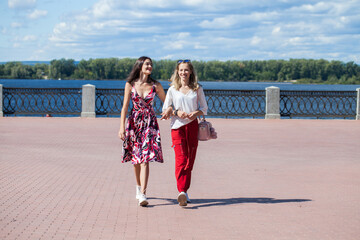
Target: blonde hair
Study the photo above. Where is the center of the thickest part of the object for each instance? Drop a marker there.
(193, 80)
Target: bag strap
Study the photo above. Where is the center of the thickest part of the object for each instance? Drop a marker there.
(203, 117)
(197, 98)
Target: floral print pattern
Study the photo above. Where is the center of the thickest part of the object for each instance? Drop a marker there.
(142, 138)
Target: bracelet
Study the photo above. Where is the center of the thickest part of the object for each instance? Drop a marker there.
(175, 112)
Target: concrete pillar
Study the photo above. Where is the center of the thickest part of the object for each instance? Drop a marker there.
(1, 101)
(358, 104)
(88, 101)
(272, 103)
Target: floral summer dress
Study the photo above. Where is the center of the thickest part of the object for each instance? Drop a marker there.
(142, 136)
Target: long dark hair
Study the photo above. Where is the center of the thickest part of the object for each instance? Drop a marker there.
(135, 72)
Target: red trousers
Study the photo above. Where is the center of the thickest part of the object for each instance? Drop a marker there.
(185, 143)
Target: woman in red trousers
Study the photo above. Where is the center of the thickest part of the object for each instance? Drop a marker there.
(187, 99)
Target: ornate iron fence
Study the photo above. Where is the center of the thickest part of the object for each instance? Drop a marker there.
(245, 103)
(109, 102)
(41, 101)
(220, 102)
(223, 103)
(319, 104)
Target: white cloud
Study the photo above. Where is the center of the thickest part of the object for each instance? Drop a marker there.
(152, 3)
(344, 19)
(200, 4)
(103, 8)
(295, 40)
(197, 29)
(255, 40)
(236, 20)
(170, 56)
(263, 16)
(177, 45)
(26, 38)
(276, 30)
(21, 4)
(183, 35)
(316, 8)
(200, 46)
(216, 5)
(221, 22)
(327, 40)
(29, 38)
(37, 14)
(301, 28)
(179, 41)
(16, 25)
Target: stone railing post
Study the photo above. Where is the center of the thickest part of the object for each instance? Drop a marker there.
(358, 104)
(88, 101)
(1, 101)
(272, 103)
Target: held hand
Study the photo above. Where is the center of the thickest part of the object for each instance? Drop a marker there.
(192, 115)
(122, 134)
(182, 114)
(166, 114)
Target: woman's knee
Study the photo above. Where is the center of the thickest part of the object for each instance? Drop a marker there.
(144, 165)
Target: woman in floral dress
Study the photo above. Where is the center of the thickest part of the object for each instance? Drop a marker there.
(141, 134)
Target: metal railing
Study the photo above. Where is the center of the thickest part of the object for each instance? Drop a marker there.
(41, 101)
(109, 102)
(318, 104)
(221, 103)
(240, 103)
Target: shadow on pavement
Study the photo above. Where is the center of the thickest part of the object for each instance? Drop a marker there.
(199, 203)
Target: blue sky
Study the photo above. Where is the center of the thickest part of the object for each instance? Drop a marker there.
(42, 30)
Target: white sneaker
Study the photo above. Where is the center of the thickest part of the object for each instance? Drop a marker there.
(138, 191)
(142, 200)
(187, 198)
(182, 199)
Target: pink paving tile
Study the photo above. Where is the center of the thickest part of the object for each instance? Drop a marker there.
(62, 178)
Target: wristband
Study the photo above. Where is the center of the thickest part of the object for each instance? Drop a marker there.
(176, 111)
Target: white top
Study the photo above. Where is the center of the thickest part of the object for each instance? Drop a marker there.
(190, 102)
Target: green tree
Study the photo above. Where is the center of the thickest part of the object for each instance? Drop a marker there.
(8, 68)
(63, 68)
(163, 69)
(304, 70)
(2, 70)
(40, 70)
(123, 68)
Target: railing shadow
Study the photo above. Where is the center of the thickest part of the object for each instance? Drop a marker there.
(201, 203)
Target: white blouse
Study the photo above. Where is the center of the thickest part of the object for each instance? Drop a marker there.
(190, 102)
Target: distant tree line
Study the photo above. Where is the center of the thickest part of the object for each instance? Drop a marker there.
(303, 70)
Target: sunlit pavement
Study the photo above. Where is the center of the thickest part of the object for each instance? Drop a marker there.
(62, 178)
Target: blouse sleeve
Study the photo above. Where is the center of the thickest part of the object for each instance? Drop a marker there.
(202, 101)
(168, 100)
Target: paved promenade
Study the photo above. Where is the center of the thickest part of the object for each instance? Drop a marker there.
(62, 178)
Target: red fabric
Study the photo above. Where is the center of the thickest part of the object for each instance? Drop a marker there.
(185, 142)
